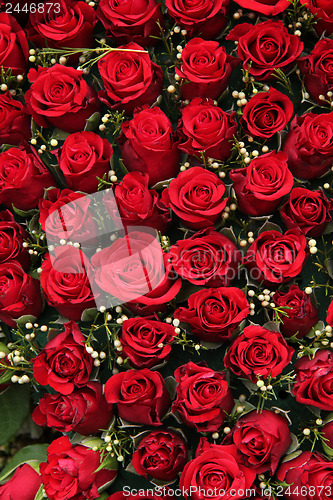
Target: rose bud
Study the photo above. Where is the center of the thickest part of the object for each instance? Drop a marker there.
(24, 484)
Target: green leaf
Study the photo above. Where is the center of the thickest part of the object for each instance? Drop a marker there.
(59, 135)
(89, 314)
(27, 318)
(34, 453)
(5, 377)
(92, 122)
(14, 407)
(25, 213)
(109, 462)
(39, 494)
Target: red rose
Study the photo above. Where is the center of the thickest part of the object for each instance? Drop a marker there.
(140, 395)
(317, 69)
(266, 7)
(23, 178)
(327, 435)
(14, 121)
(206, 127)
(131, 21)
(148, 145)
(258, 353)
(323, 12)
(314, 380)
(329, 319)
(214, 314)
(308, 210)
(85, 410)
(203, 398)
(146, 342)
(70, 471)
(83, 157)
(161, 455)
(276, 258)
(60, 97)
(195, 196)
(300, 315)
(261, 186)
(14, 50)
(12, 236)
(261, 440)
(216, 473)
(24, 484)
(265, 46)
(130, 494)
(20, 294)
(206, 69)
(130, 79)
(309, 145)
(266, 113)
(199, 17)
(64, 363)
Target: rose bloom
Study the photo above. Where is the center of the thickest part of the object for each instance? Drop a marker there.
(149, 145)
(12, 237)
(140, 395)
(329, 319)
(130, 79)
(308, 210)
(300, 314)
(161, 454)
(258, 353)
(14, 121)
(323, 10)
(265, 46)
(206, 69)
(206, 127)
(14, 50)
(327, 435)
(314, 380)
(203, 398)
(146, 342)
(276, 258)
(83, 157)
(196, 197)
(266, 113)
(24, 484)
(317, 69)
(261, 185)
(60, 97)
(214, 314)
(309, 145)
(64, 362)
(266, 7)
(141, 495)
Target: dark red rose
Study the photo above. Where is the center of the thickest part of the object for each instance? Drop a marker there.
(60, 97)
(203, 398)
(261, 186)
(308, 210)
(140, 395)
(327, 435)
(24, 484)
(216, 473)
(266, 113)
(130, 79)
(12, 237)
(149, 145)
(199, 17)
(206, 127)
(276, 258)
(161, 455)
(300, 314)
(317, 69)
(323, 12)
(146, 342)
(131, 21)
(266, 7)
(314, 380)
(265, 46)
(14, 121)
(309, 145)
(83, 157)
(258, 353)
(64, 363)
(85, 410)
(196, 197)
(23, 178)
(329, 319)
(20, 294)
(261, 440)
(14, 50)
(70, 471)
(214, 314)
(206, 69)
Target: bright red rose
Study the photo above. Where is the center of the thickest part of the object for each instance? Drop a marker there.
(85, 410)
(161, 455)
(317, 69)
(261, 186)
(203, 398)
(206, 69)
(14, 121)
(140, 395)
(12, 236)
(323, 12)
(266, 7)
(83, 157)
(149, 145)
(196, 197)
(258, 353)
(64, 362)
(24, 484)
(265, 46)
(60, 97)
(14, 50)
(214, 314)
(130, 79)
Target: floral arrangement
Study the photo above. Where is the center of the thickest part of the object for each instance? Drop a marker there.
(166, 268)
